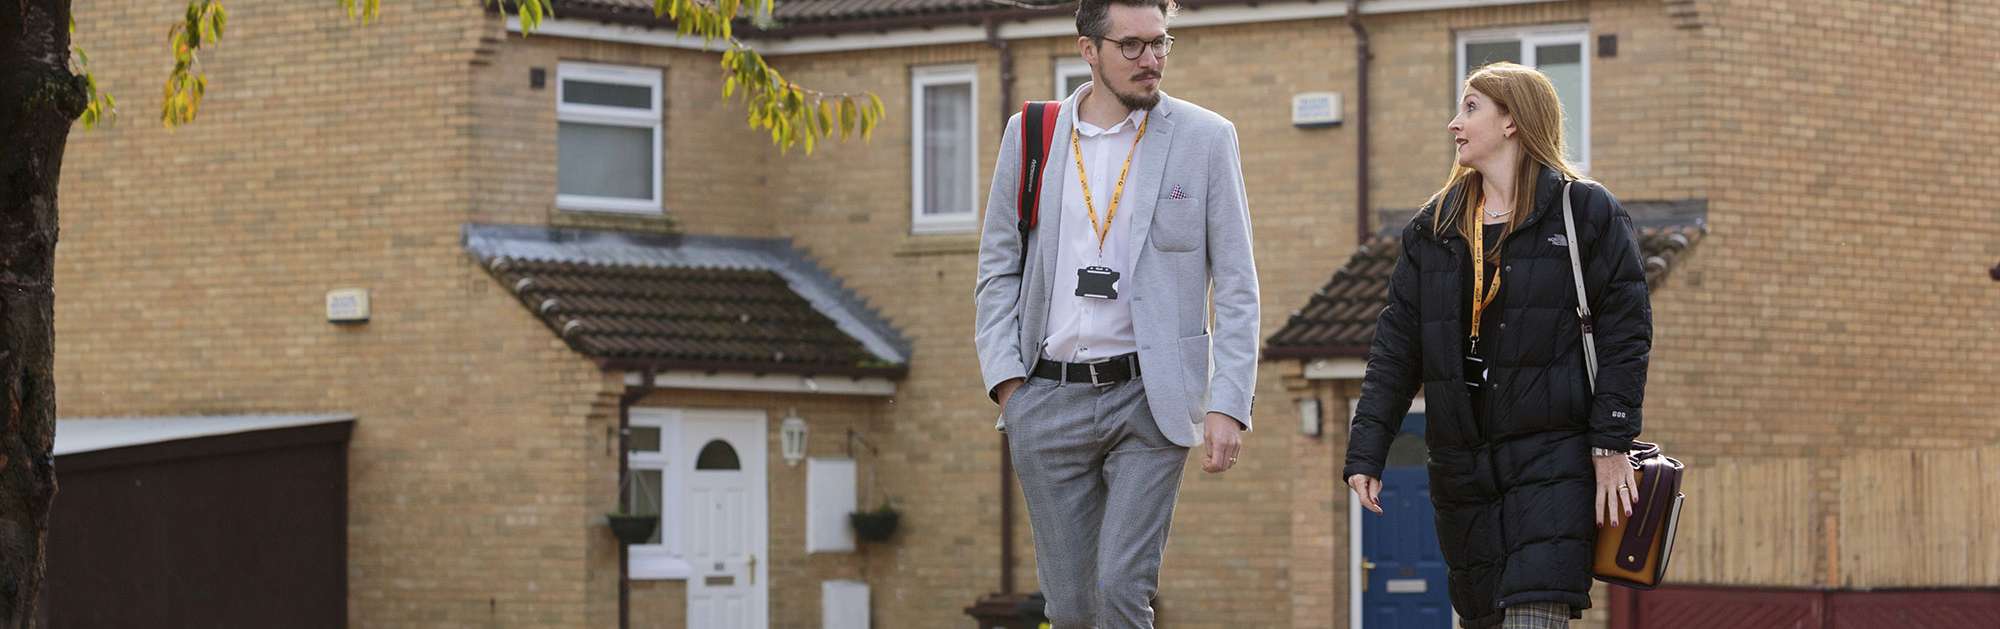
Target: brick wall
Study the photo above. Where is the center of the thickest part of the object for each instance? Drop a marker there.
(1840, 302)
(193, 271)
(714, 170)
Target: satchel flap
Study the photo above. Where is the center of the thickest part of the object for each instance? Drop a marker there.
(1659, 480)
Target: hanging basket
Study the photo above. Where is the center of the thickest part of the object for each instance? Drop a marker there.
(875, 526)
(633, 529)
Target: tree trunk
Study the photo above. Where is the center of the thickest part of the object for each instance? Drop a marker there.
(39, 98)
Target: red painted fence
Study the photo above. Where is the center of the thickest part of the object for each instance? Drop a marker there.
(1743, 608)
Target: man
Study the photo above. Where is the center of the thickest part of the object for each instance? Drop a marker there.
(1099, 350)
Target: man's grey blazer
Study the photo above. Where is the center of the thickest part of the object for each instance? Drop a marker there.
(1185, 246)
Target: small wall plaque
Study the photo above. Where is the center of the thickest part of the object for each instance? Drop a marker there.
(1316, 109)
(347, 305)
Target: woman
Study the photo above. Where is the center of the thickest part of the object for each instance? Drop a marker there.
(1521, 451)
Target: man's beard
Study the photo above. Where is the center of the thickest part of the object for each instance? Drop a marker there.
(1141, 101)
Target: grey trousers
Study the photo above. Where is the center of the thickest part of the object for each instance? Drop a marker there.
(1100, 482)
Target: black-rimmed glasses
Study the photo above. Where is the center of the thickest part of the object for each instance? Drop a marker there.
(1133, 47)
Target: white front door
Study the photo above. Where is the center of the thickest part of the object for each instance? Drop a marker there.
(726, 519)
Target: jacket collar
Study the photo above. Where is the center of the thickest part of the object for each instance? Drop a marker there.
(1548, 194)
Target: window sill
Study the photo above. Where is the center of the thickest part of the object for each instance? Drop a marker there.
(610, 211)
(651, 567)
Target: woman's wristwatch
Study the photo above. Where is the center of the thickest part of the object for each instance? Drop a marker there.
(1595, 451)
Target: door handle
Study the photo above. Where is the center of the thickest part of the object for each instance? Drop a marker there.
(1366, 567)
(753, 569)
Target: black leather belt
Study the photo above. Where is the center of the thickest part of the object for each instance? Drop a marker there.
(1111, 370)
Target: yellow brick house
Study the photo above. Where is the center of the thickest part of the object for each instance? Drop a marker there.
(566, 232)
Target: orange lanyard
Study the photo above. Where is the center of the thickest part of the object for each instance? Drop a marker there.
(1479, 276)
(1076, 146)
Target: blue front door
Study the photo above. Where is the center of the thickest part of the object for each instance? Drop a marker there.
(1405, 586)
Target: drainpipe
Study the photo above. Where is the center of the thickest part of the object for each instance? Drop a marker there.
(1362, 55)
(625, 402)
(1007, 105)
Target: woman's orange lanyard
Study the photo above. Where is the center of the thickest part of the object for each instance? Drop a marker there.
(1479, 275)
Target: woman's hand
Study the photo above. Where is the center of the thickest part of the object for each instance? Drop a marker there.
(1369, 489)
(1615, 487)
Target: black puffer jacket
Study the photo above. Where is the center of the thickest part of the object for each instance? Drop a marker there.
(1513, 485)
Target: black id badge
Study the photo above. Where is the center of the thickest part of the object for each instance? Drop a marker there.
(1097, 282)
(1475, 372)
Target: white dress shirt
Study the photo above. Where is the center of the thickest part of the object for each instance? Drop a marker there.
(1086, 329)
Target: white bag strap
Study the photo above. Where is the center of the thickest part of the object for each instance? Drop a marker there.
(1582, 300)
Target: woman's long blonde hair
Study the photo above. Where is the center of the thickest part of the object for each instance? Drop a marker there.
(1528, 95)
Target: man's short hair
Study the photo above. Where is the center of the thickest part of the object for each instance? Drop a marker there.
(1093, 17)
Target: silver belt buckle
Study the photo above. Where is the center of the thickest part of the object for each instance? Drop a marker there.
(1093, 372)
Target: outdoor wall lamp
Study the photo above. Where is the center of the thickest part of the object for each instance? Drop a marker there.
(1309, 416)
(792, 438)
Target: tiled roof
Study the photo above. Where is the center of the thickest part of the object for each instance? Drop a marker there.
(1339, 319)
(792, 12)
(692, 302)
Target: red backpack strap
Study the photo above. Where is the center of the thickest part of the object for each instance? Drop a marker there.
(1038, 131)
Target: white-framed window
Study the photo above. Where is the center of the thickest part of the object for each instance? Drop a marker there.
(1561, 52)
(1071, 73)
(608, 138)
(944, 145)
(654, 479)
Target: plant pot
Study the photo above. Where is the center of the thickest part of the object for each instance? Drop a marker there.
(874, 526)
(633, 529)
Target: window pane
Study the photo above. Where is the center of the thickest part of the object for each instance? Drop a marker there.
(717, 455)
(947, 167)
(647, 486)
(1563, 63)
(608, 94)
(643, 439)
(605, 160)
(1074, 81)
(1480, 54)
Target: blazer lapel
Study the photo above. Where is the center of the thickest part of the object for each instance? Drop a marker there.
(1150, 173)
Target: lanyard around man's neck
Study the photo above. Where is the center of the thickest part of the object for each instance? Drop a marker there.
(1117, 192)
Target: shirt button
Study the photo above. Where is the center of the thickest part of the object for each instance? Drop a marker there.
(1508, 268)
(1503, 326)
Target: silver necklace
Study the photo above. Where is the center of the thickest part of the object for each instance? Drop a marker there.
(1491, 213)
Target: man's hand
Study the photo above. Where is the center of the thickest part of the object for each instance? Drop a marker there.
(1224, 442)
(1006, 390)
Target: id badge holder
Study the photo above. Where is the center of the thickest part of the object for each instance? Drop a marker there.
(1097, 282)
(1475, 371)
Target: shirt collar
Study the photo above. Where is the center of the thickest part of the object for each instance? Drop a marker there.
(1088, 130)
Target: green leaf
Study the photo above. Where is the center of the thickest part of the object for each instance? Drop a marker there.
(846, 116)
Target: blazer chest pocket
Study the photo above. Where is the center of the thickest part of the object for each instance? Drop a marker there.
(1177, 225)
